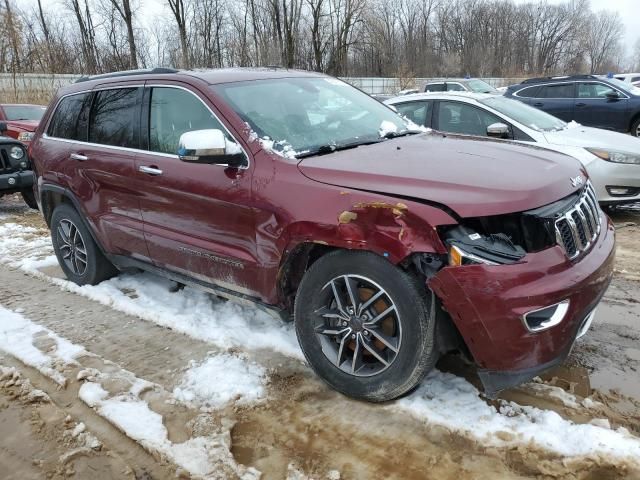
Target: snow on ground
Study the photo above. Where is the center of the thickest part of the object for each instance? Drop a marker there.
(442, 399)
(132, 415)
(17, 336)
(221, 379)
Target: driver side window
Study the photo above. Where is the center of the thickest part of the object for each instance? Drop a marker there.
(174, 112)
(456, 117)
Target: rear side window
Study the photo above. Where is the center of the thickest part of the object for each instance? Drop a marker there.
(561, 90)
(529, 92)
(173, 112)
(434, 87)
(71, 118)
(417, 112)
(115, 117)
(455, 87)
(635, 79)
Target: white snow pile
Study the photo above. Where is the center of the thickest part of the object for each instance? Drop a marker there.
(281, 147)
(222, 379)
(17, 335)
(189, 310)
(573, 124)
(452, 402)
(387, 127)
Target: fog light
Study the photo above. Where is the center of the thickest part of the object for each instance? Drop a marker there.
(622, 191)
(11, 181)
(547, 317)
(23, 164)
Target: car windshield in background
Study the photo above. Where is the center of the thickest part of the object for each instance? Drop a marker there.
(624, 86)
(480, 86)
(23, 112)
(312, 115)
(524, 114)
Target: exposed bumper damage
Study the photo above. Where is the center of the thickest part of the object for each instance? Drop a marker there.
(488, 303)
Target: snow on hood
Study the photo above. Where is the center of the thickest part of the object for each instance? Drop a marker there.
(579, 136)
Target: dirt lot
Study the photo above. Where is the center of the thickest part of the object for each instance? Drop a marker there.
(53, 424)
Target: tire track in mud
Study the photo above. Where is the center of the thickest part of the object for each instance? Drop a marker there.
(302, 422)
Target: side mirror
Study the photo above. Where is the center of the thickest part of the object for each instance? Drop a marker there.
(3, 127)
(613, 95)
(498, 130)
(212, 147)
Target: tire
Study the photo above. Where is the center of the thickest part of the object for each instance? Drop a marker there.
(29, 198)
(78, 255)
(635, 128)
(409, 327)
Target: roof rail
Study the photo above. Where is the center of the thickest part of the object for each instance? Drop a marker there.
(561, 77)
(127, 73)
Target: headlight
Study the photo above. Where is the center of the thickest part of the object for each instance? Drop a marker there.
(16, 153)
(616, 156)
(25, 136)
(458, 257)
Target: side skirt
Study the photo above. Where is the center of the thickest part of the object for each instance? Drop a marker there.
(125, 263)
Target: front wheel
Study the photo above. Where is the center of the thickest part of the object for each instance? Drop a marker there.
(365, 326)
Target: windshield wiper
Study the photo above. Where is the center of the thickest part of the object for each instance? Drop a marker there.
(401, 134)
(324, 149)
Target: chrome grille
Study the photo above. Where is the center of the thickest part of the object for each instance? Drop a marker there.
(578, 227)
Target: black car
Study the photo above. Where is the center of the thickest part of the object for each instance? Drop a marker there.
(591, 100)
(15, 169)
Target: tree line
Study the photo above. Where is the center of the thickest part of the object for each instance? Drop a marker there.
(389, 38)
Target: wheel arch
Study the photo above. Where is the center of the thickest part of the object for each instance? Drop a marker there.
(634, 118)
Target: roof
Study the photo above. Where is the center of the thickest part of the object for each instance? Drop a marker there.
(211, 76)
(441, 95)
(438, 80)
(563, 77)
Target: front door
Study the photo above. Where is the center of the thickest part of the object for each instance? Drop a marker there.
(198, 219)
(595, 109)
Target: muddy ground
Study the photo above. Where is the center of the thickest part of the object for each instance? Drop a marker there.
(303, 428)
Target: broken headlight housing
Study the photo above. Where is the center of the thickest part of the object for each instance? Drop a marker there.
(467, 247)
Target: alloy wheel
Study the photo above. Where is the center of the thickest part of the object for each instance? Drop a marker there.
(358, 325)
(72, 247)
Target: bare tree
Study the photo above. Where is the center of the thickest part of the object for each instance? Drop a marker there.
(179, 10)
(602, 39)
(123, 7)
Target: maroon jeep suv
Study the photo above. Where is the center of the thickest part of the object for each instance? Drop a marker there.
(299, 193)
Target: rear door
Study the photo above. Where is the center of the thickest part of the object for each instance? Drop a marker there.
(197, 217)
(104, 167)
(595, 109)
(558, 99)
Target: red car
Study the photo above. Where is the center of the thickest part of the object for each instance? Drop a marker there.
(21, 120)
(301, 194)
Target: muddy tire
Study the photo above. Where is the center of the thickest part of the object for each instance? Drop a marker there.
(29, 198)
(78, 255)
(365, 326)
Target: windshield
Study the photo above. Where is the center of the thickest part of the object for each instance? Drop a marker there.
(524, 114)
(23, 112)
(309, 115)
(480, 86)
(624, 86)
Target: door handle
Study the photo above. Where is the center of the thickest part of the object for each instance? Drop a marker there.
(538, 104)
(581, 104)
(150, 170)
(79, 157)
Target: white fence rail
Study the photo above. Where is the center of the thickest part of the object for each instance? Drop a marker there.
(40, 87)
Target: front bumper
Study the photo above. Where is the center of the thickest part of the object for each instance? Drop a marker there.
(14, 182)
(487, 305)
(605, 175)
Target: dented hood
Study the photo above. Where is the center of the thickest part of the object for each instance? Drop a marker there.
(473, 177)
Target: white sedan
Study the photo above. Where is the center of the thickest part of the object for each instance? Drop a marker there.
(611, 159)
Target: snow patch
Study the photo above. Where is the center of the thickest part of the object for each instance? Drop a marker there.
(573, 124)
(17, 336)
(454, 403)
(221, 379)
(387, 127)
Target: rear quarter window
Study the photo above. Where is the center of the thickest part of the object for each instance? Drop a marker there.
(529, 92)
(71, 117)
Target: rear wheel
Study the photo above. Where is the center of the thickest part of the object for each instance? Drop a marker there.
(364, 325)
(29, 198)
(635, 129)
(78, 255)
